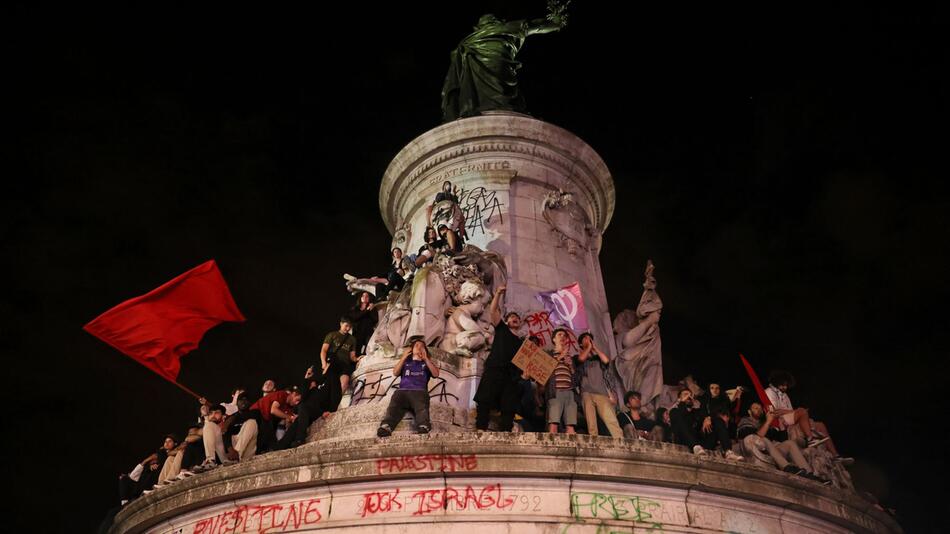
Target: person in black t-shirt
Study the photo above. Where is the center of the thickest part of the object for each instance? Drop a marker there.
(240, 430)
(499, 387)
(364, 317)
(432, 246)
(636, 425)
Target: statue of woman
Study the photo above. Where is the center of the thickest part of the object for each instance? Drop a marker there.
(640, 363)
(483, 72)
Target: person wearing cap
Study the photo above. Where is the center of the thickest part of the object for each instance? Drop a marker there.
(338, 358)
(413, 393)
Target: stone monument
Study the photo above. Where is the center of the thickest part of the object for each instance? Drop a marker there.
(532, 201)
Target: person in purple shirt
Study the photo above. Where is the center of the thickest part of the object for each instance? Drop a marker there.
(413, 393)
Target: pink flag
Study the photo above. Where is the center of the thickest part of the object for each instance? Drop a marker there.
(565, 307)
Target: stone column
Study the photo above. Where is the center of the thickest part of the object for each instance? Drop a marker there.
(531, 191)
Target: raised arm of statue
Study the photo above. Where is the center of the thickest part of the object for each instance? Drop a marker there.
(555, 19)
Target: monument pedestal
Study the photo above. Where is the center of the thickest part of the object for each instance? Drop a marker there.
(497, 482)
(539, 198)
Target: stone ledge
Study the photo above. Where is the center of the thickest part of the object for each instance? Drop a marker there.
(579, 459)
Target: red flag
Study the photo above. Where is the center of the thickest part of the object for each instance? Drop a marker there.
(163, 325)
(756, 384)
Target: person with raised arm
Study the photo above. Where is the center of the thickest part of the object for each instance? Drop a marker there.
(413, 393)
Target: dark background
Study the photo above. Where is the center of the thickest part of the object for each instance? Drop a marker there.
(784, 168)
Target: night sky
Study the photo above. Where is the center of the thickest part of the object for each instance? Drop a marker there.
(783, 167)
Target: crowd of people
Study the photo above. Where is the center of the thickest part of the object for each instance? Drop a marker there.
(581, 394)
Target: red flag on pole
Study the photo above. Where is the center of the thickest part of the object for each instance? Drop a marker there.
(158, 328)
(760, 391)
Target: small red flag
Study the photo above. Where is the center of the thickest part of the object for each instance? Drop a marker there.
(159, 327)
(756, 384)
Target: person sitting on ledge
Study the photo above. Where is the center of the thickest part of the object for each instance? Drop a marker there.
(714, 416)
(431, 247)
(240, 430)
(777, 392)
(315, 402)
(268, 387)
(145, 474)
(683, 421)
(400, 271)
(413, 393)
(271, 410)
(757, 434)
(636, 425)
(662, 428)
(213, 440)
(453, 243)
(560, 387)
(714, 401)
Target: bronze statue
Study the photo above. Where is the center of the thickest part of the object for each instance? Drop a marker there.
(483, 72)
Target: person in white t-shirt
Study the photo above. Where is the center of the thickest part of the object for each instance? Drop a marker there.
(788, 415)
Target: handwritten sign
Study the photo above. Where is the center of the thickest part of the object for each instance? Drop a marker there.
(536, 363)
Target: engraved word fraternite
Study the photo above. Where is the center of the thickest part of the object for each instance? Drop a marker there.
(483, 72)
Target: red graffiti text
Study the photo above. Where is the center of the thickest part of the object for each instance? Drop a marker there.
(427, 462)
(262, 518)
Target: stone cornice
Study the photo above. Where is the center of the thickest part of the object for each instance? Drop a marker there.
(504, 135)
(578, 457)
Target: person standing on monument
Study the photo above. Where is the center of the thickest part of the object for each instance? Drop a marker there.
(499, 387)
(454, 219)
(560, 388)
(413, 393)
(363, 316)
(338, 359)
(597, 387)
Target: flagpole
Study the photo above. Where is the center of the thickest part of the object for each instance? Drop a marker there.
(186, 390)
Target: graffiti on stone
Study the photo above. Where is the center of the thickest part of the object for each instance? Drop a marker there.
(449, 498)
(372, 388)
(594, 505)
(286, 517)
(481, 208)
(539, 324)
(427, 462)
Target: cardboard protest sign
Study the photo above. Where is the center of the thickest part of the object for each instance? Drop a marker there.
(536, 363)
